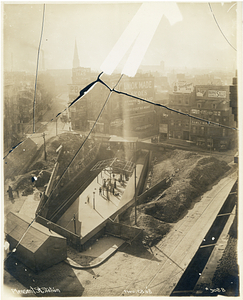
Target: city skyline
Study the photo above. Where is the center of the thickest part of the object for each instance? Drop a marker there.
(194, 42)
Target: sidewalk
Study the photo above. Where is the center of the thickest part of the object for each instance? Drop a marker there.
(95, 255)
(178, 247)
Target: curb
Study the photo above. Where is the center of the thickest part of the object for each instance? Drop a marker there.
(96, 262)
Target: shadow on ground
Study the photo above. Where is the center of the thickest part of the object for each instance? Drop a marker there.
(59, 277)
(139, 250)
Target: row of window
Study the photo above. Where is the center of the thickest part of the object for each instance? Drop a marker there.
(179, 123)
(196, 122)
(214, 105)
(201, 130)
(205, 112)
(213, 119)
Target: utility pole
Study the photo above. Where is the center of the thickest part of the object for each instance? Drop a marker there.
(44, 145)
(74, 223)
(56, 126)
(94, 200)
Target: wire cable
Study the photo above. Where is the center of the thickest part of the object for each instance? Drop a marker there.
(220, 28)
(82, 93)
(102, 109)
(75, 155)
(111, 90)
(37, 66)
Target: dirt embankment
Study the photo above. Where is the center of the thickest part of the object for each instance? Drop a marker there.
(190, 175)
(39, 172)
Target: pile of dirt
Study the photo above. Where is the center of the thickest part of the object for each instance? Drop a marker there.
(42, 178)
(41, 168)
(70, 146)
(172, 163)
(206, 171)
(24, 183)
(190, 175)
(153, 229)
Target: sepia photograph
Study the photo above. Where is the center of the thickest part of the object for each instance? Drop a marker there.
(120, 145)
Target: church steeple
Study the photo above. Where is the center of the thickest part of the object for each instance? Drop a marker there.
(75, 57)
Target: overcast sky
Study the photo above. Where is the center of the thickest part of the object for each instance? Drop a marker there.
(194, 42)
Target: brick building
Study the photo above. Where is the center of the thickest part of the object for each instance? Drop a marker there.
(213, 104)
(208, 102)
(174, 125)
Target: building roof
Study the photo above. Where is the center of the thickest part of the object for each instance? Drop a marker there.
(34, 237)
(119, 139)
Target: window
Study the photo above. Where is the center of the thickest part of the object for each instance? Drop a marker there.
(214, 106)
(224, 132)
(179, 123)
(202, 130)
(195, 111)
(199, 105)
(217, 119)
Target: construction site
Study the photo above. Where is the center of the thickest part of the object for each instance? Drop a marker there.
(122, 207)
(121, 149)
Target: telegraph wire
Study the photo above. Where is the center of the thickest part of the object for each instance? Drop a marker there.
(75, 155)
(86, 89)
(37, 66)
(129, 95)
(82, 93)
(219, 27)
(102, 109)
(231, 7)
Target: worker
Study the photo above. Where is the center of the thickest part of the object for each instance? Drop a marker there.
(10, 192)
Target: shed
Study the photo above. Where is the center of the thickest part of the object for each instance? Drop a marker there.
(39, 247)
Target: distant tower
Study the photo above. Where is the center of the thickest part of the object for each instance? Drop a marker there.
(75, 57)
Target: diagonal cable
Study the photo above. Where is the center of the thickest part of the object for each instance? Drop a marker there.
(102, 109)
(37, 66)
(220, 27)
(82, 93)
